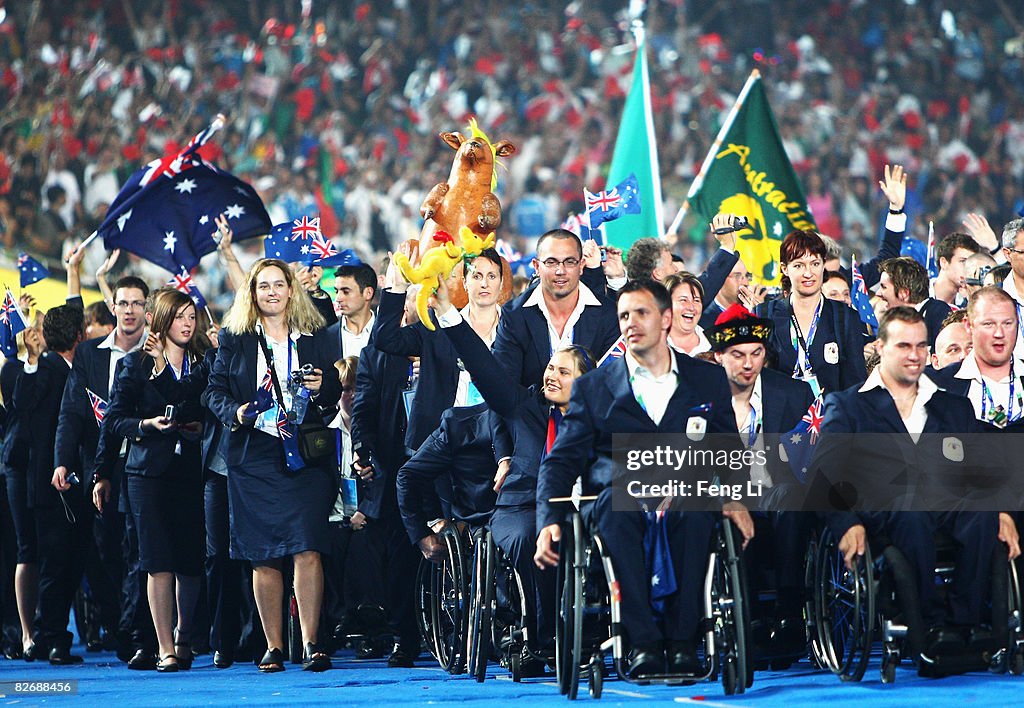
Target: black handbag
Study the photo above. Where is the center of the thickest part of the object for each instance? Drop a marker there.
(316, 442)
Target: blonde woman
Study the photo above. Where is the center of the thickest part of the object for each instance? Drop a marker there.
(276, 512)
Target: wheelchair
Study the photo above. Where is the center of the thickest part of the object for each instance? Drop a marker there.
(589, 615)
(498, 627)
(877, 601)
(443, 599)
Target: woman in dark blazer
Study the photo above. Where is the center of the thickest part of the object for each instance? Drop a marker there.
(815, 339)
(164, 471)
(277, 509)
(532, 415)
(447, 383)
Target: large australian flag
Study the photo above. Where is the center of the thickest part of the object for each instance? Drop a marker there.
(166, 211)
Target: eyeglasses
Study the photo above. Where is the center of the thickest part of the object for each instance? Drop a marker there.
(133, 305)
(565, 263)
(1015, 250)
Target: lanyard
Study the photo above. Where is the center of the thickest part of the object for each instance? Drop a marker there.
(997, 415)
(185, 368)
(755, 427)
(803, 367)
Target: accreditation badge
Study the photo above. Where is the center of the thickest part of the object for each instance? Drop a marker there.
(696, 426)
(953, 449)
(831, 353)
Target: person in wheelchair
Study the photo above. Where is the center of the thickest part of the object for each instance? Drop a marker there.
(649, 390)
(533, 415)
(766, 404)
(910, 477)
(462, 447)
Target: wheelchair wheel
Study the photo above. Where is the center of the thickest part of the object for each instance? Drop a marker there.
(1016, 618)
(732, 616)
(817, 653)
(482, 607)
(424, 604)
(569, 627)
(595, 676)
(844, 609)
(452, 616)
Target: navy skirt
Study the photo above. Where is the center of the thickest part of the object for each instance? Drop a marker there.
(168, 512)
(276, 512)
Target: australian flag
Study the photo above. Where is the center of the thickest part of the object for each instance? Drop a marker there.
(31, 270)
(622, 199)
(616, 351)
(300, 241)
(11, 322)
(658, 560)
(165, 212)
(860, 298)
(183, 282)
(798, 444)
(98, 405)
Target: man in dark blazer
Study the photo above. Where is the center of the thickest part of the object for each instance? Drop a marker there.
(462, 446)
(649, 390)
(557, 312)
(78, 432)
(378, 431)
(62, 515)
(768, 404)
(355, 286)
(899, 441)
(904, 281)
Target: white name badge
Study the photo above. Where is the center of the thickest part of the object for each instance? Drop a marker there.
(953, 449)
(832, 353)
(696, 427)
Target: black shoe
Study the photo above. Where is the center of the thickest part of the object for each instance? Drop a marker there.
(789, 637)
(315, 659)
(532, 668)
(62, 656)
(33, 652)
(94, 645)
(272, 662)
(183, 650)
(168, 664)
(400, 658)
(13, 651)
(682, 659)
(223, 659)
(142, 661)
(644, 662)
(369, 649)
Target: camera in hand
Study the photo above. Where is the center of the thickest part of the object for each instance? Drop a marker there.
(299, 375)
(739, 223)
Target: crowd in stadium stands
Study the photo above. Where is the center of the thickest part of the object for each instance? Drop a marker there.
(339, 114)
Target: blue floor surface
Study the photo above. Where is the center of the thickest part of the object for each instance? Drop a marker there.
(103, 681)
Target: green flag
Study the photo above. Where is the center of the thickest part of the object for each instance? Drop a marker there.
(636, 151)
(748, 173)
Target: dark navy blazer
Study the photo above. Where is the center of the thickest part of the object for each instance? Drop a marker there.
(37, 404)
(837, 324)
(16, 442)
(233, 381)
(461, 446)
(603, 404)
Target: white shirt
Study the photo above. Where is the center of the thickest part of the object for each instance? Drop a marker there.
(338, 510)
(556, 341)
(352, 344)
(998, 390)
(703, 344)
(754, 422)
(915, 422)
(652, 392)
(117, 353)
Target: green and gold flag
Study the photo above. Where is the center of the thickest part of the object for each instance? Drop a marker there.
(748, 173)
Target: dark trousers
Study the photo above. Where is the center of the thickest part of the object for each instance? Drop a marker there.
(977, 533)
(64, 535)
(8, 562)
(339, 599)
(383, 551)
(514, 529)
(136, 619)
(689, 541)
(223, 575)
(105, 564)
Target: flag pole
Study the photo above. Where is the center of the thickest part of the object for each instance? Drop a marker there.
(698, 181)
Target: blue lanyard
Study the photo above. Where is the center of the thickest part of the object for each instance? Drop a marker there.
(755, 427)
(802, 368)
(987, 399)
(185, 368)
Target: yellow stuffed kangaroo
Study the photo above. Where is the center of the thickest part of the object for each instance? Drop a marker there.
(438, 262)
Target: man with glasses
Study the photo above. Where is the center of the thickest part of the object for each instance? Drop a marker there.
(1013, 285)
(556, 313)
(77, 439)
